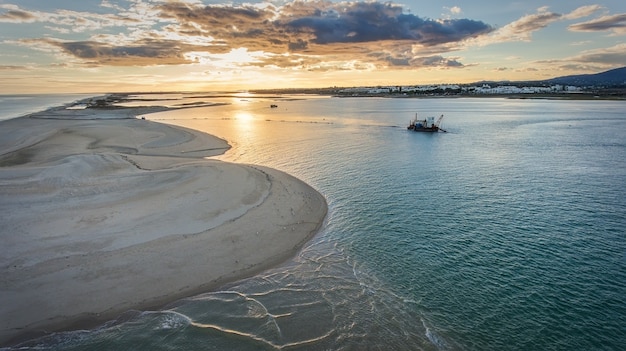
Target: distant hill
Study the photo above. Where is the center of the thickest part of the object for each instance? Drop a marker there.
(614, 77)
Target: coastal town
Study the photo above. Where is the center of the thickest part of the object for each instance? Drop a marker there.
(455, 89)
(485, 89)
(608, 85)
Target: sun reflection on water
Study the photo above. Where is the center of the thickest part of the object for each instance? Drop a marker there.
(243, 116)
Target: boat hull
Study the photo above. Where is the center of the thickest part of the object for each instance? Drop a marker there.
(424, 130)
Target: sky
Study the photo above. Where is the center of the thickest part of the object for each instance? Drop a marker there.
(98, 46)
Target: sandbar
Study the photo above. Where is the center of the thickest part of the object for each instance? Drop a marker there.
(103, 213)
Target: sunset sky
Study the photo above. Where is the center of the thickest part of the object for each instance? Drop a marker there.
(203, 45)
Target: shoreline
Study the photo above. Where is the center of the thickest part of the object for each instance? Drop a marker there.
(162, 221)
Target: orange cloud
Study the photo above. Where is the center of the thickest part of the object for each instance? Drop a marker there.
(368, 34)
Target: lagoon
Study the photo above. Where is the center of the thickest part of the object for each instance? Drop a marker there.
(507, 232)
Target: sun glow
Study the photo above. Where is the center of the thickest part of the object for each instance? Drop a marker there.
(242, 95)
(243, 116)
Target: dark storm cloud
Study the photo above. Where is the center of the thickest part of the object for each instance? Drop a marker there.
(372, 21)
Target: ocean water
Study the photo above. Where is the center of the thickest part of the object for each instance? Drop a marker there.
(508, 232)
(17, 105)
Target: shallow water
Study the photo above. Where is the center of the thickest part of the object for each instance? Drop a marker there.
(507, 232)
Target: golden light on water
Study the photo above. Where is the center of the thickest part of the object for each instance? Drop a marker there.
(244, 116)
(243, 125)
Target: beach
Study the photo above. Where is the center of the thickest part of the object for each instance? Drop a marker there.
(103, 213)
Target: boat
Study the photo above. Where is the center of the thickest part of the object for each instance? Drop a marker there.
(273, 106)
(426, 125)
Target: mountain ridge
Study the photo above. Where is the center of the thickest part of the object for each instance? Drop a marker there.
(613, 77)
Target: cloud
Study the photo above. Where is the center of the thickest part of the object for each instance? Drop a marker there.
(590, 60)
(360, 22)
(583, 11)
(436, 61)
(431, 61)
(455, 10)
(615, 23)
(17, 16)
(369, 32)
(75, 21)
(108, 4)
(178, 32)
(451, 11)
(58, 29)
(523, 28)
(141, 53)
(13, 68)
(613, 56)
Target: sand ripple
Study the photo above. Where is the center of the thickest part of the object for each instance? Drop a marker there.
(102, 215)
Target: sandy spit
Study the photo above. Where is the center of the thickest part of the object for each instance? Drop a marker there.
(102, 213)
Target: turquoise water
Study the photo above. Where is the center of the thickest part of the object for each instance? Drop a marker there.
(508, 232)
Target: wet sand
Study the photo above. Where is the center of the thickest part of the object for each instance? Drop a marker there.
(103, 213)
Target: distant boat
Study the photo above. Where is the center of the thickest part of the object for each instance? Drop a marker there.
(425, 125)
(273, 106)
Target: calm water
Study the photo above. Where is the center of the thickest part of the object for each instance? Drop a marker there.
(12, 106)
(506, 233)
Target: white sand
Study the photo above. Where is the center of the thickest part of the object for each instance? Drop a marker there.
(100, 215)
